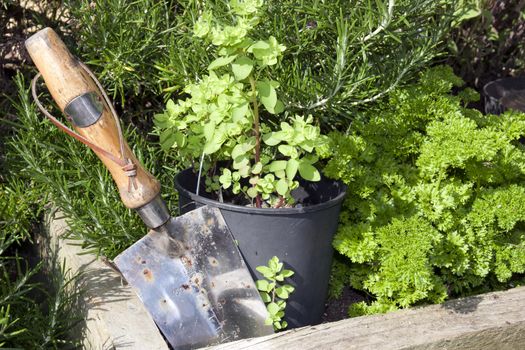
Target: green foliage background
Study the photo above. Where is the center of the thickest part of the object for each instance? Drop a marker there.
(38, 299)
(339, 57)
(435, 196)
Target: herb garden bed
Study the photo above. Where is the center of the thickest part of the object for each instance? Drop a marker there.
(435, 206)
(117, 319)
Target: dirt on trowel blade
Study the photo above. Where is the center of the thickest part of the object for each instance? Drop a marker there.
(193, 281)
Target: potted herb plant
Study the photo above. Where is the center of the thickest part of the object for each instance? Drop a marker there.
(254, 161)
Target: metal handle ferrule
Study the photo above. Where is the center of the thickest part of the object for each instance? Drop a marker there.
(155, 213)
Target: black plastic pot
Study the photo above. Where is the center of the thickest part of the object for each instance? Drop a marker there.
(503, 94)
(299, 237)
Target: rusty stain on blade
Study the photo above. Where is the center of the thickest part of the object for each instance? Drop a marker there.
(193, 281)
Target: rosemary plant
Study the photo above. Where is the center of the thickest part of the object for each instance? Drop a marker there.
(338, 57)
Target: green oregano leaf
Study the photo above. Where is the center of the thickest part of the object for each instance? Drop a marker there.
(280, 174)
(262, 285)
(273, 308)
(267, 95)
(221, 61)
(239, 113)
(265, 296)
(282, 187)
(272, 138)
(244, 170)
(265, 271)
(287, 150)
(291, 168)
(209, 130)
(171, 107)
(240, 163)
(273, 264)
(282, 292)
(257, 168)
(242, 67)
(279, 107)
(226, 178)
(259, 48)
(167, 139)
(308, 171)
(287, 273)
(252, 192)
(277, 165)
(241, 149)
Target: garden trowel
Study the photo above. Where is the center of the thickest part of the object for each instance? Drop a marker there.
(187, 270)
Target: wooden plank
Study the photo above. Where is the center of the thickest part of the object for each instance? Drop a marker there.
(115, 317)
(489, 321)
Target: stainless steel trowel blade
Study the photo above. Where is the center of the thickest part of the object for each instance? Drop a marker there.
(192, 279)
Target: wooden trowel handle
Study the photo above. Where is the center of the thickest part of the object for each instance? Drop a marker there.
(67, 81)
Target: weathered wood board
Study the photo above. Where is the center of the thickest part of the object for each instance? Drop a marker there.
(490, 321)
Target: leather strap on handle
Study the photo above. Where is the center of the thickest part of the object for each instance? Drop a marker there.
(66, 79)
(127, 165)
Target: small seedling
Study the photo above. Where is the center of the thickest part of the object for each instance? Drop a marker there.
(274, 291)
